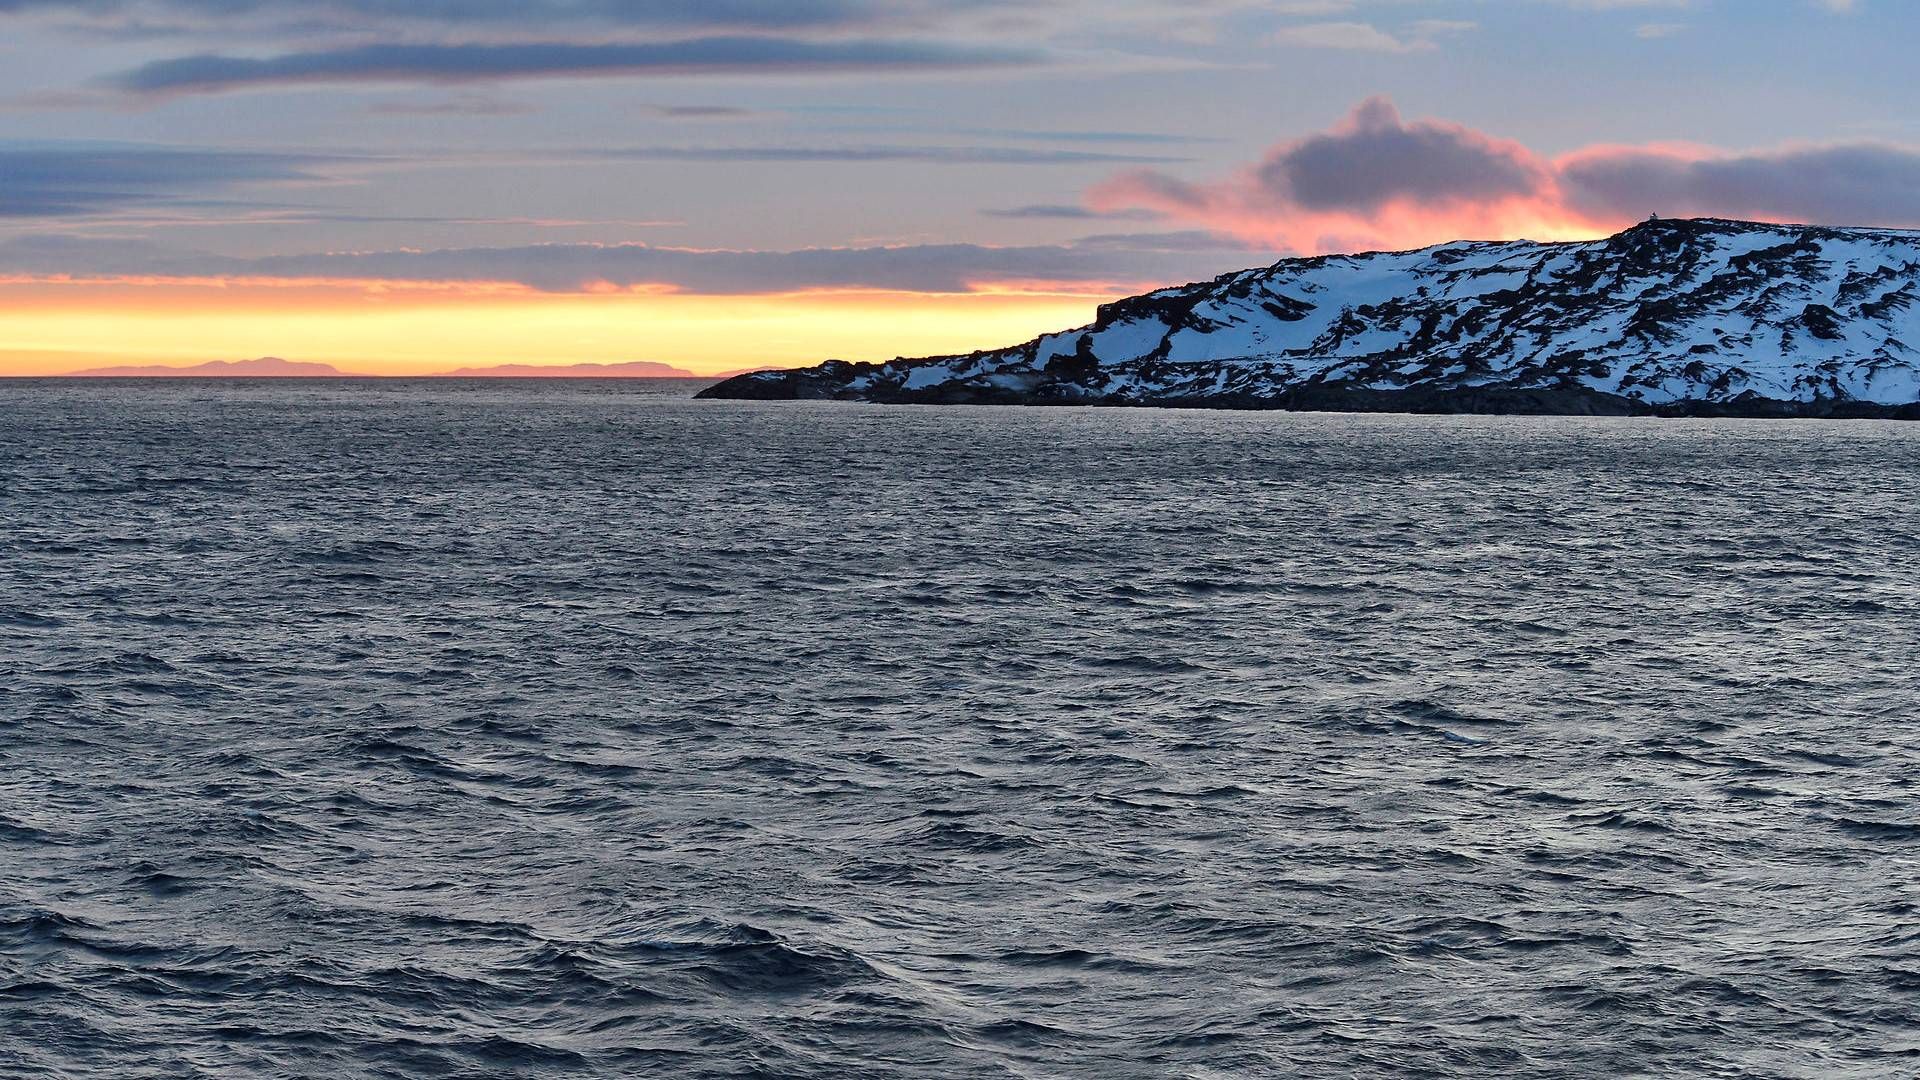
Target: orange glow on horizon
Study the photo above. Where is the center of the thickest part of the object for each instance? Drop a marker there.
(55, 326)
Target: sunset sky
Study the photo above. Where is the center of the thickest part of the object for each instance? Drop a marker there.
(404, 186)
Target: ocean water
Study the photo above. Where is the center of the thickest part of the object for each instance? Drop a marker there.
(355, 729)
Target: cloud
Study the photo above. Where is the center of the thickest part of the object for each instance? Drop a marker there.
(1194, 240)
(1069, 212)
(460, 106)
(1024, 135)
(574, 19)
(1101, 264)
(934, 155)
(1847, 183)
(481, 63)
(1622, 5)
(1376, 180)
(80, 179)
(680, 15)
(1371, 163)
(701, 112)
(74, 179)
(1374, 157)
(1310, 7)
(1365, 37)
(1360, 37)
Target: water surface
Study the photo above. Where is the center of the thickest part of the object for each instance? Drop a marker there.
(411, 729)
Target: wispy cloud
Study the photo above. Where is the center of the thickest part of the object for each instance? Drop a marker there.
(478, 105)
(1070, 212)
(1622, 5)
(1859, 183)
(701, 112)
(72, 179)
(1419, 36)
(674, 15)
(484, 63)
(933, 155)
(1064, 136)
(1100, 263)
(79, 179)
(1310, 8)
(459, 106)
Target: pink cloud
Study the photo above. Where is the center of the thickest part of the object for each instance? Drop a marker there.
(1376, 180)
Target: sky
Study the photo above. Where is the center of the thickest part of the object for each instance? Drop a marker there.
(407, 186)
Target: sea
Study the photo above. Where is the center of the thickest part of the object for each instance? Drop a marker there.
(583, 729)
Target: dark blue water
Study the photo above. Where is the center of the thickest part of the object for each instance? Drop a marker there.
(501, 730)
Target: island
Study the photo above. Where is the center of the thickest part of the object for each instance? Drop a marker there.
(1687, 317)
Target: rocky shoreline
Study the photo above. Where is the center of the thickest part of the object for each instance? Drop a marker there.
(806, 386)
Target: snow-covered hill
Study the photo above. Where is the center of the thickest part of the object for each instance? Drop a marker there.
(1677, 315)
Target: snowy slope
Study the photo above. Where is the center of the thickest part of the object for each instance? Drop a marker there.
(1668, 311)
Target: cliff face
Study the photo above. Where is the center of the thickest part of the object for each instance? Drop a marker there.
(1700, 316)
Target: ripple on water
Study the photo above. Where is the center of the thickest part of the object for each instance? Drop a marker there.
(409, 729)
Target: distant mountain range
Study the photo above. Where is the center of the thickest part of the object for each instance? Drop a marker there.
(266, 367)
(272, 367)
(1680, 316)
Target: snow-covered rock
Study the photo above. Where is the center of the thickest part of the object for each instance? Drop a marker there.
(1678, 315)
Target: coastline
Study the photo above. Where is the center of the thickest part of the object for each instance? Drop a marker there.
(809, 385)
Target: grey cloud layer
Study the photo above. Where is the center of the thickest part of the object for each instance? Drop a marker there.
(571, 267)
(74, 179)
(493, 62)
(1851, 184)
(933, 155)
(671, 14)
(1068, 212)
